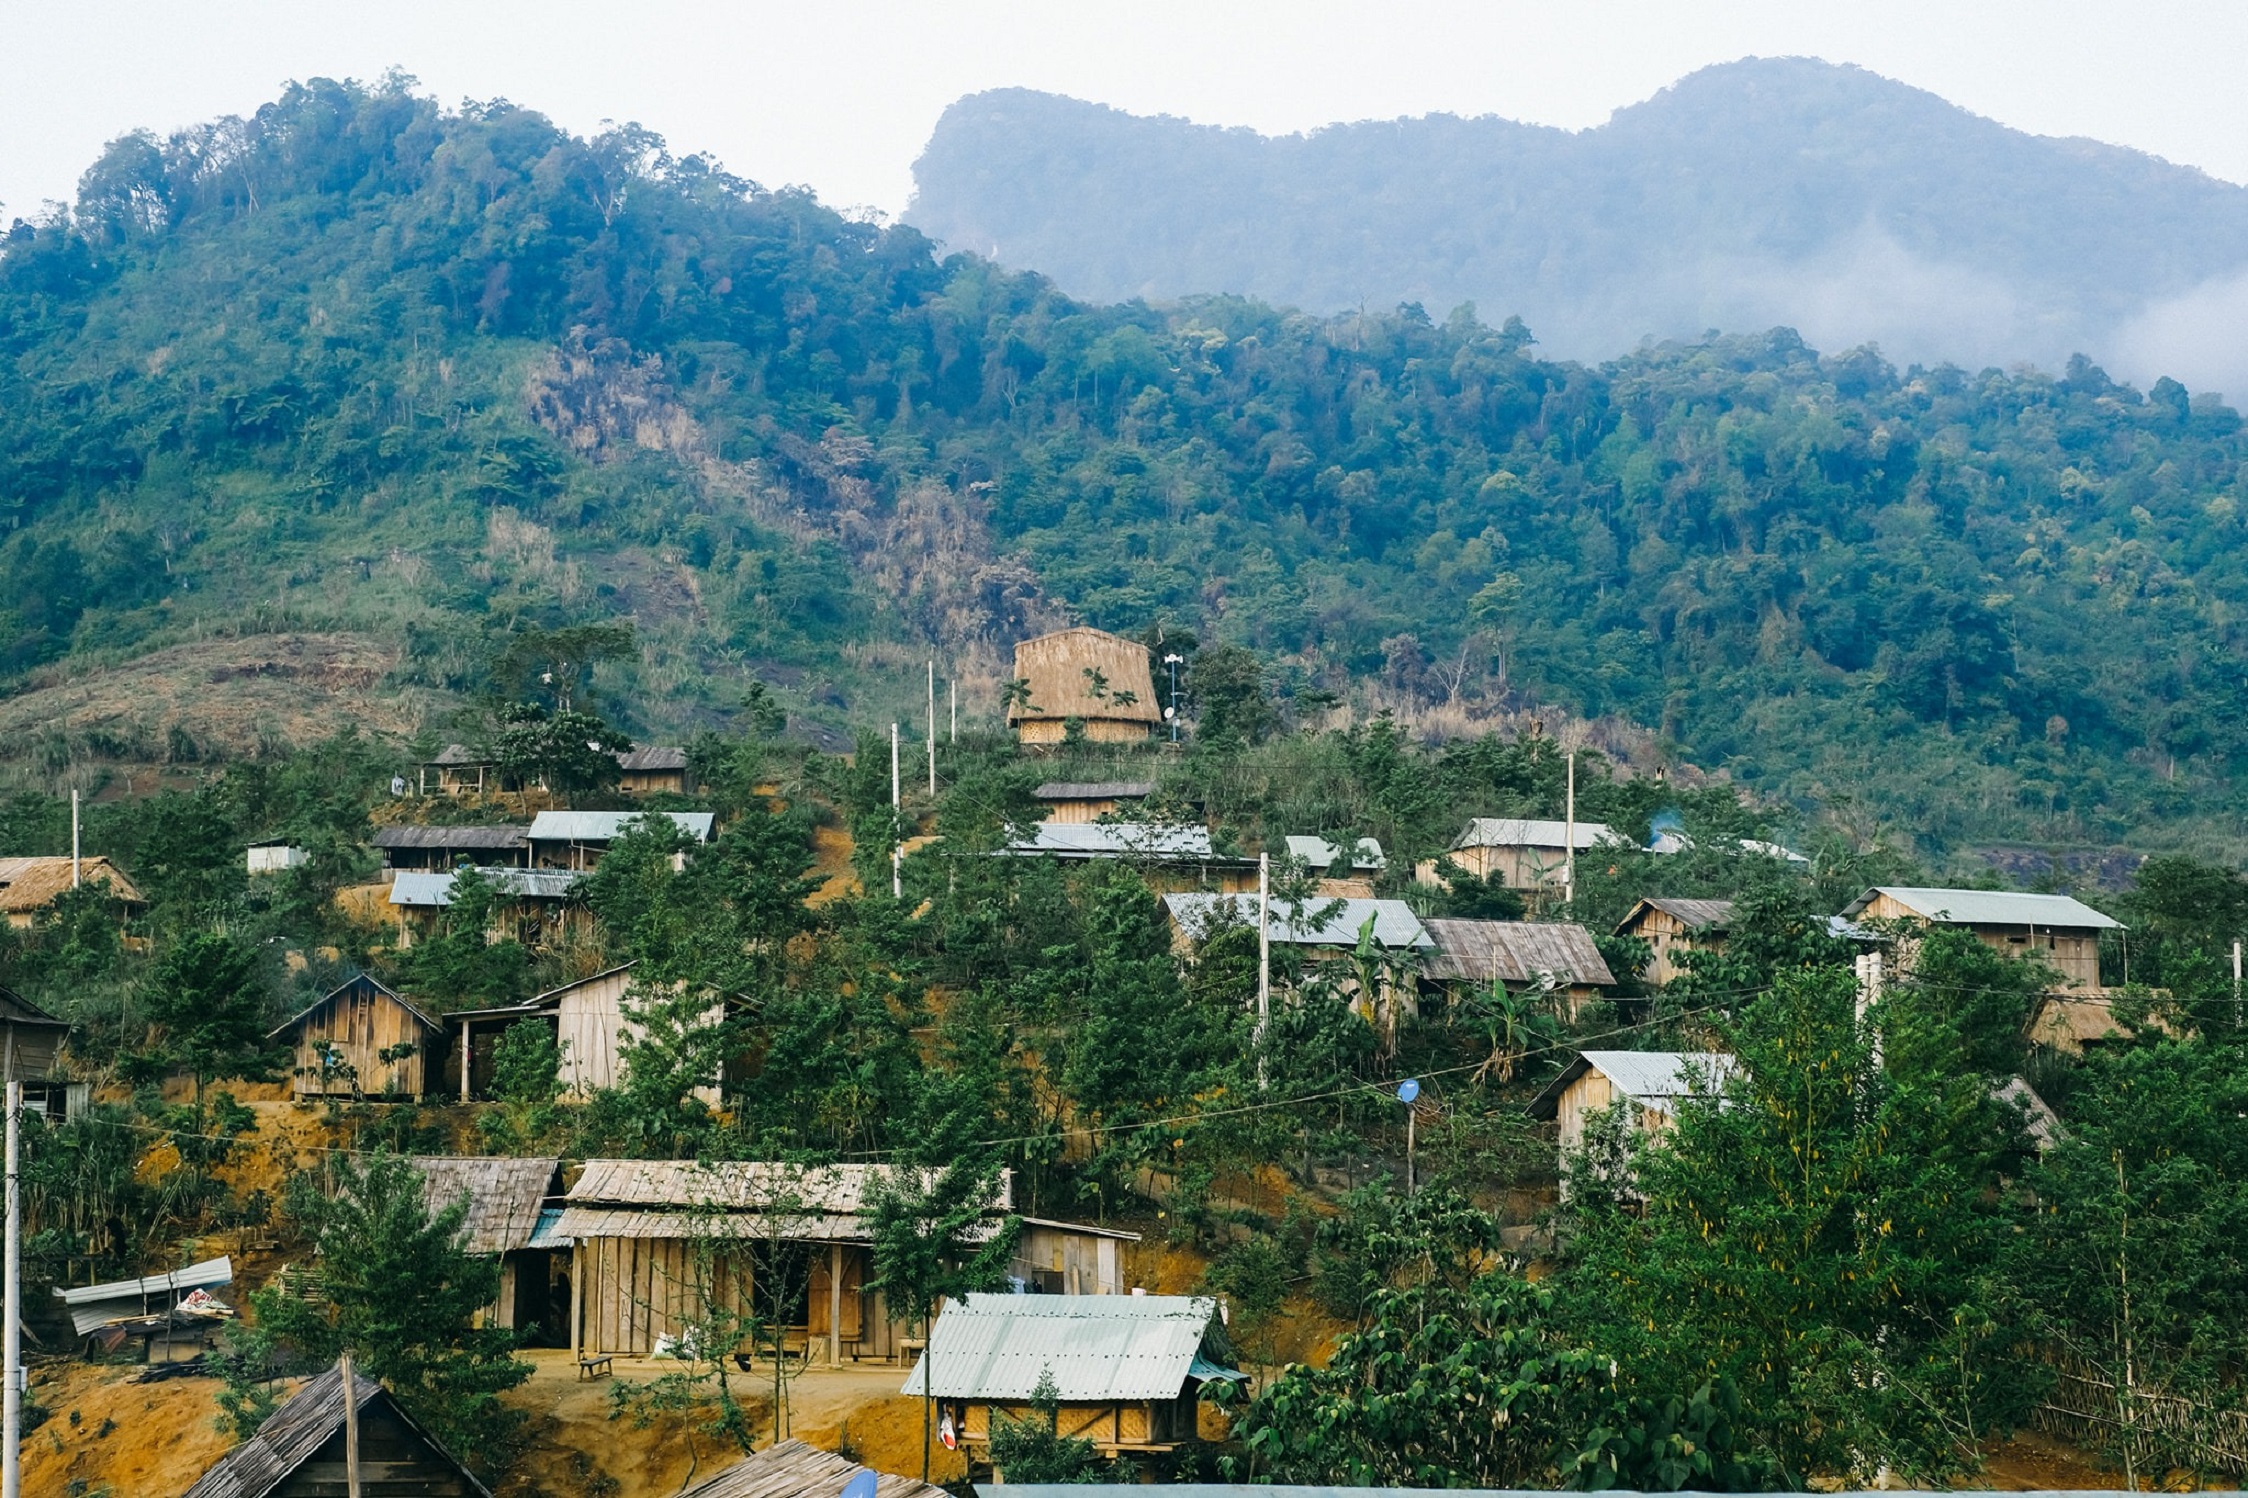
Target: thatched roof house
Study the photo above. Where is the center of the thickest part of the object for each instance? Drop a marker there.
(1100, 679)
(30, 885)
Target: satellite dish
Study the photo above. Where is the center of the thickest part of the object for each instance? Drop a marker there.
(1408, 1089)
(1170, 713)
(861, 1485)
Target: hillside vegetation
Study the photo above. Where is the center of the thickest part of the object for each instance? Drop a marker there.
(362, 365)
(1770, 190)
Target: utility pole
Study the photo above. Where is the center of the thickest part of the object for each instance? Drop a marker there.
(2236, 983)
(897, 826)
(74, 837)
(1172, 660)
(1569, 853)
(932, 730)
(350, 1426)
(11, 1404)
(1264, 957)
(956, 710)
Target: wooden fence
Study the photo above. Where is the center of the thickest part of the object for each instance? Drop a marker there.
(2153, 1428)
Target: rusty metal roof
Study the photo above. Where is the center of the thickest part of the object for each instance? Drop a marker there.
(1515, 952)
(1099, 1348)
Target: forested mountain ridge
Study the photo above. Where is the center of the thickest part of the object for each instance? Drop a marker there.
(363, 365)
(1768, 191)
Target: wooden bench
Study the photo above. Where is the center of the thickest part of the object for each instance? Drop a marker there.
(794, 1350)
(597, 1366)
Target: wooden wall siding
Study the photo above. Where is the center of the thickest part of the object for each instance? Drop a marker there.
(27, 1052)
(1082, 811)
(357, 1028)
(1078, 1263)
(1144, 1425)
(2074, 953)
(855, 1276)
(1520, 868)
(394, 1462)
(594, 1029)
(630, 1291)
(1671, 939)
(643, 781)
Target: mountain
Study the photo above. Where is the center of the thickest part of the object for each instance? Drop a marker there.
(1759, 193)
(302, 415)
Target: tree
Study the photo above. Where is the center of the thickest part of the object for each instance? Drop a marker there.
(1229, 691)
(209, 998)
(391, 1282)
(526, 1083)
(458, 964)
(555, 663)
(569, 751)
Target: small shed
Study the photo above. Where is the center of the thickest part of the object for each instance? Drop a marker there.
(1649, 1084)
(1557, 956)
(2063, 932)
(1672, 928)
(654, 767)
(1090, 800)
(507, 1196)
(108, 1315)
(275, 855)
(362, 1040)
(1101, 680)
(577, 839)
(29, 885)
(1525, 853)
(460, 771)
(1128, 1368)
(1069, 1258)
(791, 1469)
(1340, 877)
(299, 1451)
(445, 848)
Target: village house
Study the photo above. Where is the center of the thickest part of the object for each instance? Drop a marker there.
(360, 1041)
(1084, 676)
(300, 1450)
(1672, 928)
(1091, 800)
(1555, 957)
(793, 1242)
(589, 1022)
(577, 839)
(31, 1043)
(791, 1469)
(1525, 853)
(442, 849)
(1647, 1087)
(29, 885)
(1068, 1258)
(1338, 878)
(461, 771)
(274, 855)
(1168, 856)
(1128, 1369)
(651, 768)
(531, 906)
(1324, 931)
(507, 1210)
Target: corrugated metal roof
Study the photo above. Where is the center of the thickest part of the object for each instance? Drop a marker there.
(1395, 925)
(1989, 907)
(1696, 915)
(792, 1469)
(548, 1233)
(652, 757)
(1098, 1347)
(1653, 1079)
(95, 1306)
(1094, 790)
(33, 883)
(294, 1433)
(1515, 952)
(608, 826)
(422, 890)
(450, 837)
(504, 1193)
(1321, 854)
(1116, 840)
(1533, 832)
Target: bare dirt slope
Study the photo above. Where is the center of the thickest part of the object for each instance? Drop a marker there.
(232, 698)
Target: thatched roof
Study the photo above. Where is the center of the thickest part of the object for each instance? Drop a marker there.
(503, 1194)
(795, 1470)
(32, 883)
(294, 1434)
(1057, 667)
(1515, 952)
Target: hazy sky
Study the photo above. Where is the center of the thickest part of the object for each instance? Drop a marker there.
(842, 96)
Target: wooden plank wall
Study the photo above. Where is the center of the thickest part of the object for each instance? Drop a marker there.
(358, 1028)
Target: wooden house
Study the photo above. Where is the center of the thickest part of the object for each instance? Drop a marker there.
(29, 885)
(443, 849)
(300, 1450)
(655, 1242)
(1128, 1368)
(1088, 676)
(1649, 1086)
(1091, 800)
(1069, 1258)
(576, 840)
(1338, 877)
(507, 1206)
(791, 1469)
(361, 1041)
(2062, 932)
(1526, 853)
(531, 906)
(591, 1022)
(1672, 928)
(31, 1042)
(461, 771)
(1555, 957)
(654, 767)
(1167, 855)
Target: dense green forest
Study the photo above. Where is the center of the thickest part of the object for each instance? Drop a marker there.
(1766, 190)
(359, 363)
